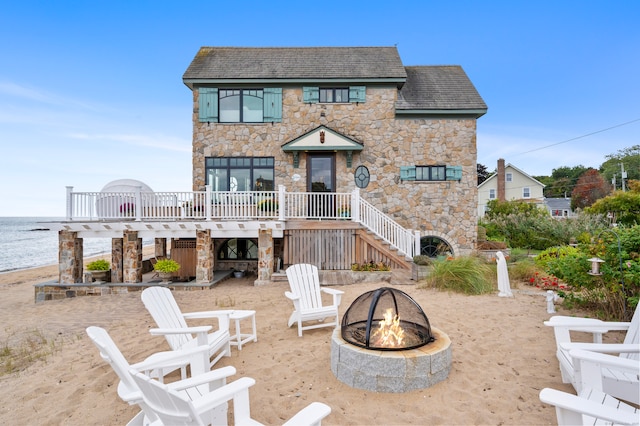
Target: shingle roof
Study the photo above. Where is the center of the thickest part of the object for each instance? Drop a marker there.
(438, 87)
(213, 63)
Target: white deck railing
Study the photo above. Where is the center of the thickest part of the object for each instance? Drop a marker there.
(239, 205)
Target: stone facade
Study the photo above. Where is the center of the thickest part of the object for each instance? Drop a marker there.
(445, 209)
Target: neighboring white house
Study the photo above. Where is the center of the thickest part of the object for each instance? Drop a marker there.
(509, 183)
(559, 207)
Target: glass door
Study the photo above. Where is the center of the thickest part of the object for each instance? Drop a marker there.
(321, 179)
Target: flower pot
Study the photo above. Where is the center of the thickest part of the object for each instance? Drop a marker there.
(100, 276)
(166, 276)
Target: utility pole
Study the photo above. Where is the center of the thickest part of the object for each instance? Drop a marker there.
(613, 182)
(623, 176)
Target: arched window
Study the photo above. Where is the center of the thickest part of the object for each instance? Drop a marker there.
(434, 247)
(238, 249)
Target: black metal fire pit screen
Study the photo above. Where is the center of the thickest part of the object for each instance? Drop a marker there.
(386, 319)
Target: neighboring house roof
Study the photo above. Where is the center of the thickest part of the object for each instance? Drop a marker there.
(295, 63)
(495, 175)
(558, 203)
(445, 87)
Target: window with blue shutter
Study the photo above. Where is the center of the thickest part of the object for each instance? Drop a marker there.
(454, 172)
(208, 104)
(357, 93)
(408, 172)
(310, 95)
(273, 104)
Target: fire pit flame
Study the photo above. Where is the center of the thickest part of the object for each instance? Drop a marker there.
(386, 319)
(390, 333)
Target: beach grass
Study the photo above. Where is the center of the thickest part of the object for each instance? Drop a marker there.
(21, 349)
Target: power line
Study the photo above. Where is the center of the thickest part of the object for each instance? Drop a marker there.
(580, 137)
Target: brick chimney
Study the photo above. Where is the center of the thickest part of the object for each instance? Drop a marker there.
(501, 180)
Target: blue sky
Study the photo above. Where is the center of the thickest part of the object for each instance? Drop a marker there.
(91, 91)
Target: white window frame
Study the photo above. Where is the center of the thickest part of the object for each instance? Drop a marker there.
(526, 192)
(509, 177)
(492, 194)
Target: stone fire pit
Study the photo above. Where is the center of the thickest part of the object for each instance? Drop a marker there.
(391, 371)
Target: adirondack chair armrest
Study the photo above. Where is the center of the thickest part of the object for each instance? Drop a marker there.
(605, 359)
(591, 325)
(168, 359)
(312, 414)
(337, 294)
(291, 296)
(202, 379)
(234, 390)
(189, 330)
(222, 316)
(572, 403)
(332, 291)
(608, 348)
(605, 348)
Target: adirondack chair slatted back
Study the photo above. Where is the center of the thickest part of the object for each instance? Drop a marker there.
(304, 282)
(162, 306)
(111, 354)
(167, 404)
(633, 335)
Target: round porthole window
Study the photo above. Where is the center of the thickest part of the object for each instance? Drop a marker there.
(361, 176)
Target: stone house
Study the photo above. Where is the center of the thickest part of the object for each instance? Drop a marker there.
(335, 119)
(323, 155)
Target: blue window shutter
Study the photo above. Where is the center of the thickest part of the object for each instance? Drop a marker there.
(272, 104)
(310, 95)
(408, 172)
(357, 93)
(454, 172)
(208, 104)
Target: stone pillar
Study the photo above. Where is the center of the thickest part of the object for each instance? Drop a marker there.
(70, 255)
(265, 256)
(132, 258)
(116, 260)
(160, 247)
(204, 259)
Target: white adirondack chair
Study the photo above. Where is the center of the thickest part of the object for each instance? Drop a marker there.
(592, 405)
(129, 391)
(172, 324)
(307, 298)
(174, 409)
(620, 385)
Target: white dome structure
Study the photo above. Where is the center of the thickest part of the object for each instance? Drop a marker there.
(126, 185)
(118, 198)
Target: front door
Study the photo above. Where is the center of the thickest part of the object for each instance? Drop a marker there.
(321, 179)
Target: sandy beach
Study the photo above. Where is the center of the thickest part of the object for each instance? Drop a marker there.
(503, 356)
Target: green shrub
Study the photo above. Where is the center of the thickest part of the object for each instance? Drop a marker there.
(370, 266)
(166, 265)
(464, 274)
(98, 265)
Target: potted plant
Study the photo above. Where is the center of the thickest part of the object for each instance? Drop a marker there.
(100, 270)
(344, 210)
(165, 268)
(268, 206)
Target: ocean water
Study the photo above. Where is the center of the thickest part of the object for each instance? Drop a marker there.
(27, 242)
